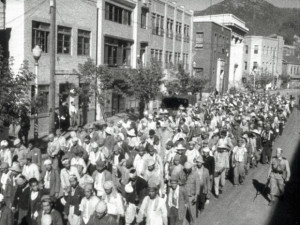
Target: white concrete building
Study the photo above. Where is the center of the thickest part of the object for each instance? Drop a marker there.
(238, 32)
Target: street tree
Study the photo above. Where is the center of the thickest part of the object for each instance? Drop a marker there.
(15, 91)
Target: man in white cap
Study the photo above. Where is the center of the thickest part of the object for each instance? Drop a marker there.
(66, 171)
(279, 173)
(5, 153)
(153, 208)
(192, 153)
(50, 179)
(88, 204)
(239, 160)
(6, 217)
(20, 152)
(100, 176)
(221, 165)
(30, 170)
(101, 217)
(140, 161)
(113, 200)
(95, 155)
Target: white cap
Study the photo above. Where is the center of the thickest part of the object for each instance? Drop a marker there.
(4, 143)
(101, 207)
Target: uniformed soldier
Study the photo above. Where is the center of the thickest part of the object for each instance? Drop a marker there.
(279, 173)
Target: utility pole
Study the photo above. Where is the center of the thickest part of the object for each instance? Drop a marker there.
(52, 65)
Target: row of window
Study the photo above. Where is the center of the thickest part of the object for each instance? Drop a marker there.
(266, 50)
(157, 24)
(117, 14)
(157, 55)
(294, 70)
(219, 44)
(40, 36)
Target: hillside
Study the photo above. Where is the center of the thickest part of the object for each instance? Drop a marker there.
(261, 17)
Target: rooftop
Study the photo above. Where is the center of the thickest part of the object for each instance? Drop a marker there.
(224, 19)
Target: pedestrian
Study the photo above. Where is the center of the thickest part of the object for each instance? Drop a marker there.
(177, 202)
(21, 199)
(53, 150)
(5, 187)
(48, 213)
(73, 199)
(25, 127)
(73, 112)
(35, 202)
(239, 159)
(66, 172)
(267, 143)
(30, 170)
(88, 204)
(5, 153)
(279, 173)
(153, 209)
(20, 152)
(6, 213)
(35, 153)
(51, 180)
(100, 176)
(101, 217)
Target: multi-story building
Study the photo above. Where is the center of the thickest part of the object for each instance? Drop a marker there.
(238, 32)
(263, 55)
(132, 32)
(29, 22)
(291, 65)
(120, 34)
(211, 53)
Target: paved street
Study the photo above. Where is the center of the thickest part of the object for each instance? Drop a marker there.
(236, 206)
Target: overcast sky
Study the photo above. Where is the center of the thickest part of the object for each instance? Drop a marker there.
(203, 4)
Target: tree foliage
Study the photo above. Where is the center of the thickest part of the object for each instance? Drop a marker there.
(14, 90)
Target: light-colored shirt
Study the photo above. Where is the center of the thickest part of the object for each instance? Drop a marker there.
(87, 207)
(115, 204)
(239, 153)
(31, 171)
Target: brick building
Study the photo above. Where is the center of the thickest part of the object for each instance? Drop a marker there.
(211, 52)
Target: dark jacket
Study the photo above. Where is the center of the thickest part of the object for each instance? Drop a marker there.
(74, 200)
(54, 181)
(21, 198)
(106, 220)
(183, 200)
(139, 191)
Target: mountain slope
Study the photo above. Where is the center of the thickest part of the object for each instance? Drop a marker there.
(261, 17)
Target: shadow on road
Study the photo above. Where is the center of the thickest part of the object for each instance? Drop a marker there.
(261, 189)
(287, 212)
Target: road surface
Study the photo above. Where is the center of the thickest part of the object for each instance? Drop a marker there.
(237, 206)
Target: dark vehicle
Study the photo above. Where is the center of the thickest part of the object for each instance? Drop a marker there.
(173, 102)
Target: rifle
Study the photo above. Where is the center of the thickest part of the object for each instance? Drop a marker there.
(263, 189)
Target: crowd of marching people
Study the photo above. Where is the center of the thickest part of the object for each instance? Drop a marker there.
(162, 169)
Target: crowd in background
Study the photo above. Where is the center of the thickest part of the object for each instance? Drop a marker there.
(162, 169)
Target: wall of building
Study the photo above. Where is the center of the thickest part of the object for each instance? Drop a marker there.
(215, 52)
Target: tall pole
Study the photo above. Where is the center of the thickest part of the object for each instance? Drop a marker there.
(52, 66)
(36, 119)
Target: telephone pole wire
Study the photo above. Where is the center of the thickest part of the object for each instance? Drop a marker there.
(52, 65)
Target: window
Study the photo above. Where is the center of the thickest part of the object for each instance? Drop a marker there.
(178, 31)
(117, 14)
(199, 40)
(255, 49)
(170, 28)
(40, 35)
(186, 33)
(245, 65)
(255, 65)
(117, 52)
(199, 72)
(246, 49)
(144, 18)
(157, 24)
(64, 40)
(43, 96)
(83, 42)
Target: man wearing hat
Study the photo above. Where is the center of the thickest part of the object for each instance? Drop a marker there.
(177, 202)
(190, 177)
(239, 159)
(53, 150)
(267, 138)
(154, 174)
(50, 179)
(30, 170)
(221, 165)
(101, 217)
(88, 203)
(6, 217)
(73, 199)
(279, 173)
(113, 200)
(192, 153)
(21, 199)
(153, 208)
(48, 210)
(5, 187)
(66, 171)
(202, 184)
(100, 176)
(20, 152)
(35, 153)
(140, 161)
(9, 190)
